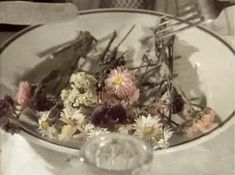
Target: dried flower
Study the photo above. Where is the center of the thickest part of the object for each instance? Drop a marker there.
(81, 92)
(105, 114)
(125, 129)
(67, 132)
(134, 97)
(164, 142)
(105, 97)
(91, 131)
(158, 107)
(46, 128)
(24, 94)
(169, 101)
(6, 105)
(147, 127)
(75, 98)
(207, 120)
(201, 125)
(11, 127)
(65, 94)
(177, 103)
(121, 83)
(72, 116)
(150, 129)
(83, 81)
(193, 130)
(74, 120)
(41, 102)
(7, 121)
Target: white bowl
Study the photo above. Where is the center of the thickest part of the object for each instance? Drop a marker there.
(205, 69)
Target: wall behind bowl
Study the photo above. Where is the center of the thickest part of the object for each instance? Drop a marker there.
(85, 4)
(160, 5)
(223, 25)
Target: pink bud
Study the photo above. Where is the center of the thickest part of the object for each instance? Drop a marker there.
(24, 93)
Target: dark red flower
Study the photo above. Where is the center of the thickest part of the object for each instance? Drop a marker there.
(106, 114)
(6, 109)
(41, 102)
(11, 128)
(177, 104)
(6, 104)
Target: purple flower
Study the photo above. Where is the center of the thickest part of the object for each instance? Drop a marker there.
(106, 114)
(42, 103)
(178, 103)
(11, 128)
(6, 123)
(6, 104)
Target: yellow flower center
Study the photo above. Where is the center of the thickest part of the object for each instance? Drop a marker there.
(148, 131)
(118, 80)
(44, 125)
(70, 122)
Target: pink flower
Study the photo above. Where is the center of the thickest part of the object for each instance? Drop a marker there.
(24, 93)
(192, 131)
(135, 96)
(120, 82)
(207, 120)
(159, 107)
(104, 97)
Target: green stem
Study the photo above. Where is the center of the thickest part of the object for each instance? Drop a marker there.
(114, 35)
(143, 66)
(169, 89)
(128, 33)
(169, 120)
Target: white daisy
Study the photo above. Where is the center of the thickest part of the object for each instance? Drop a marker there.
(168, 133)
(163, 142)
(147, 126)
(125, 129)
(72, 116)
(149, 129)
(91, 131)
(74, 120)
(88, 128)
(45, 128)
(97, 132)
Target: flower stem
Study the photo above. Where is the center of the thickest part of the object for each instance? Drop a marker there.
(142, 66)
(169, 120)
(114, 35)
(128, 33)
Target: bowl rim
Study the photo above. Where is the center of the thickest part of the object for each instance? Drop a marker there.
(177, 147)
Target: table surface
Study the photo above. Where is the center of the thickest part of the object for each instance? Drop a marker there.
(210, 158)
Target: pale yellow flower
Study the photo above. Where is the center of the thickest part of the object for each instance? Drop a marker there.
(67, 132)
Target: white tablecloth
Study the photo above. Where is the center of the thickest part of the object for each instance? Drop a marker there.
(215, 157)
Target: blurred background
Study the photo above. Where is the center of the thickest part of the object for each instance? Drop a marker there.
(159, 5)
(15, 15)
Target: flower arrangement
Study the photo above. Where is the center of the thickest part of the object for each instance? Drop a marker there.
(112, 96)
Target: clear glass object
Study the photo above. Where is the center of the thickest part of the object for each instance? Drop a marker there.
(116, 154)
